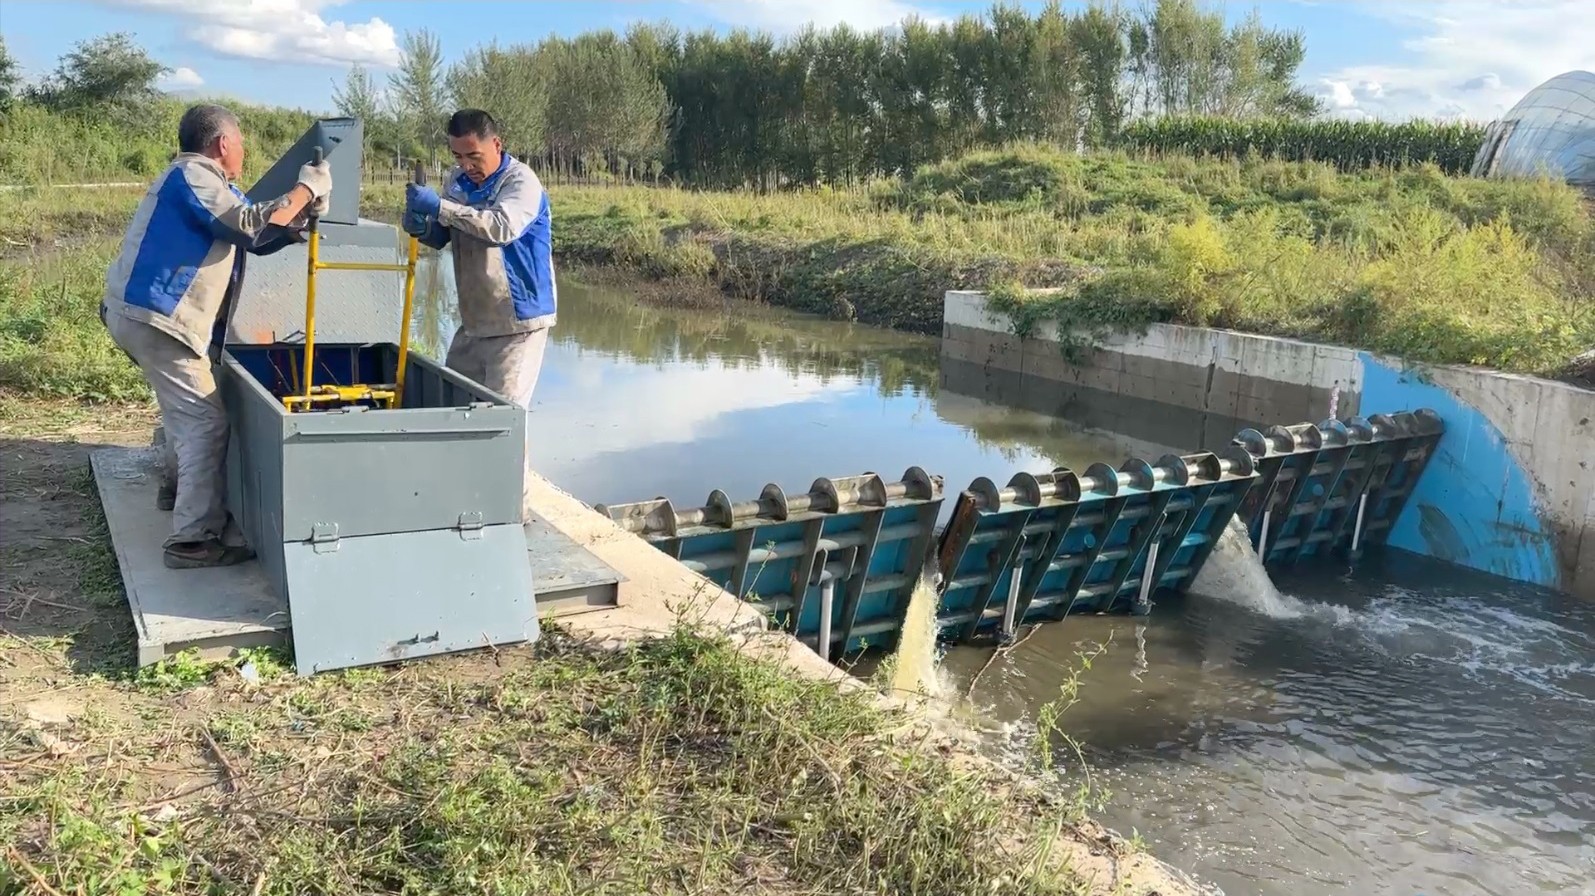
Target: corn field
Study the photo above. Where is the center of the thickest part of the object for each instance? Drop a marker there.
(1348, 145)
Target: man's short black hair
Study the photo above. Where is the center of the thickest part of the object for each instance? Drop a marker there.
(472, 122)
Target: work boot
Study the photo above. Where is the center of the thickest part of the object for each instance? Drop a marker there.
(205, 554)
(166, 497)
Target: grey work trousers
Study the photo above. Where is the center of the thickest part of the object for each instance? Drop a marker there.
(508, 365)
(195, 422)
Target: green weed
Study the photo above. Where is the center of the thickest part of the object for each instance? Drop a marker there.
(677, 765)
(51, 339)
(1409, 262)
(174, 673)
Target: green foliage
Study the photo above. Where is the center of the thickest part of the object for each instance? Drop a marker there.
(106, 852)
(419, 92)
(10, 77)
(186, 670)
(38, 146)
(603, 104)
(1348, 145)
(841, 106)
(51, 338)
(675, 765)
(107, 76)
(512, 84)
(174, 673)
(1410, 262)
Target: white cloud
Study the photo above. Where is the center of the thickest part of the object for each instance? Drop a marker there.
(1469, 58)
(279, 30)
(182, 78)
(787, 17)
(638, 405)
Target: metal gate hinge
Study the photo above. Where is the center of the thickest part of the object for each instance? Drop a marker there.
(324, 537)
(471, 525)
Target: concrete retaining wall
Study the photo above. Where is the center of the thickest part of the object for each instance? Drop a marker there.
(1511, 490)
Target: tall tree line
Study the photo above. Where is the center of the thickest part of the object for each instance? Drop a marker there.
(839, 105)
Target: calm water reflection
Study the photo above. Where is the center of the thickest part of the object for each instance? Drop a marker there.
(637, 402)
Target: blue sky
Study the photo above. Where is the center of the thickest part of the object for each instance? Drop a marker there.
(1370, 58)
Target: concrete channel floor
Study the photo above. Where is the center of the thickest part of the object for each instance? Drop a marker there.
(596, 579)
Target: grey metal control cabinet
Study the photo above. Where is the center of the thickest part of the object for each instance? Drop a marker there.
(390, 534)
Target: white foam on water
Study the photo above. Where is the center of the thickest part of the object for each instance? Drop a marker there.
(1233, 573)
(1483, 641)
(1473, 635)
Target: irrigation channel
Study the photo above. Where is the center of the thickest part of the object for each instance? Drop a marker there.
(1400, 728)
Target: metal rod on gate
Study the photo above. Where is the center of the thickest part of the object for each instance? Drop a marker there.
(310, 292)
(827, 601)
(409, 304)
(1148, 573)
(1356, 534)
(1010, 607)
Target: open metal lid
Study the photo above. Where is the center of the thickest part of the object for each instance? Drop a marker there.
(342, 143)
(267, 303)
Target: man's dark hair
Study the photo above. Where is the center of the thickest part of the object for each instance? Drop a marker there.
(201, 125)
(472, 122)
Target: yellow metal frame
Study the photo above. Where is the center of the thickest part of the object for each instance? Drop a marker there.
(390, 395)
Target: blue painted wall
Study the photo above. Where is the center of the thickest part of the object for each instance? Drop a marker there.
(1474, 505)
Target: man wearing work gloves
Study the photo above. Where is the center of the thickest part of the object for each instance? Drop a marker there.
(161, 299)
(495, 214)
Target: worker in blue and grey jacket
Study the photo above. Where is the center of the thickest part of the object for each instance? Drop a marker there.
(494, 215)
(162, 296)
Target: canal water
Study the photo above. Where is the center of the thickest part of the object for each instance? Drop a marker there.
(1400, 729)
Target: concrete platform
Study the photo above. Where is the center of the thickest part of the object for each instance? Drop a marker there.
(219, 610)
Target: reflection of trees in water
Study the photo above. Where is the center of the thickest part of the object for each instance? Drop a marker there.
(435, 312)
(612, 322)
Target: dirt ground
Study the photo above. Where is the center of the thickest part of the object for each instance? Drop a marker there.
(58, 581)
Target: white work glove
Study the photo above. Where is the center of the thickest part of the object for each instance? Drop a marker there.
(317, 178)
(320, 205)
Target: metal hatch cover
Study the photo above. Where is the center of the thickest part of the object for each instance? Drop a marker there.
(389, 598)
(341, 141)
(267, 306)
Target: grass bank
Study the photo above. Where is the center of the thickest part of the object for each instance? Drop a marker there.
(118, 144)
(1412, 262)
(673, 765)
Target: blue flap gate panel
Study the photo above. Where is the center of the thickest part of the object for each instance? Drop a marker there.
(788, 554)
(1334, 488)
(1046, 545)
(1057, 543)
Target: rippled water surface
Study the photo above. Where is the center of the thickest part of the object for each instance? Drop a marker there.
(1397, 730)
(1405, 729)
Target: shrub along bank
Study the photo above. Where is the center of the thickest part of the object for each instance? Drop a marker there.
(1413, 262)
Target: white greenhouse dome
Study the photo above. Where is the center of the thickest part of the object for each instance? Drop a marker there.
(1550, 131)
